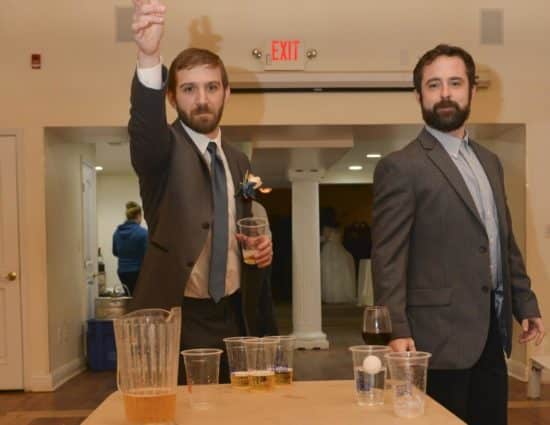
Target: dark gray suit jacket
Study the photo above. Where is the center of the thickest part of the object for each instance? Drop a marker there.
(175, 188)
(431, 253)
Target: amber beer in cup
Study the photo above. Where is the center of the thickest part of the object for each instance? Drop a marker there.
(284, 355)
(236, 354)
(260, 358)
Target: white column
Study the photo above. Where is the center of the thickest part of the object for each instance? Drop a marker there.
(306, 260)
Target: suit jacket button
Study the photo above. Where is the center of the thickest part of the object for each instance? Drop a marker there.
(190, 263)
(483, 249)
(206, 225)
(485, 289)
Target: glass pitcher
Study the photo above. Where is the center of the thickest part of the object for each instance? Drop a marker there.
(147, 345)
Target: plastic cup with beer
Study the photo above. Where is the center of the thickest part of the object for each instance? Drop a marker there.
(408, 372)
(369, 371)
(284, 358)
(202, 370)
(260, 361)
(236, 355)
(251, 232)
(147, 345)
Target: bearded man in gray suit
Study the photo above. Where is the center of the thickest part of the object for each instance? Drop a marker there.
(445, 261)
(189, 179)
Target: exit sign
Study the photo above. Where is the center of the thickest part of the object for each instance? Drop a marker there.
(284, 54)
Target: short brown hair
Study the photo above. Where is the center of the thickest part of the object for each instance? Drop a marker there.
(192, 57)
(444, 50)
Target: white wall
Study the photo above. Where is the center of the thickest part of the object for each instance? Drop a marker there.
(112, 194)
(67, 290)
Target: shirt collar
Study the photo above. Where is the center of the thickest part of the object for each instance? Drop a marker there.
(202, 140)
(450, 143)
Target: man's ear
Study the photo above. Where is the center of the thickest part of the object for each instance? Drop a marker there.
(474, 91)
(418, 97)
(171, 98)
(227, 93)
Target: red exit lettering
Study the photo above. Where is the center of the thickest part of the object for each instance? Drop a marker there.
(284, 50)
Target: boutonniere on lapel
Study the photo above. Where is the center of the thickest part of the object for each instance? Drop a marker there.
(249, 186)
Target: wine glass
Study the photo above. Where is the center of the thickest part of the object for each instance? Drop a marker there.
(376, 325)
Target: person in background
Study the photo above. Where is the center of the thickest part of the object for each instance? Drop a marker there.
(129, 245)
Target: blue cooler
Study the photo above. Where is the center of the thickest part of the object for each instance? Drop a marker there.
(100, 340)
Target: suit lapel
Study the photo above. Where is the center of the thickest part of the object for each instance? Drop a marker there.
(493, 175)
(441, 159)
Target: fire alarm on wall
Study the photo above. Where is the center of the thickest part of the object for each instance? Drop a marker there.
(36, 61)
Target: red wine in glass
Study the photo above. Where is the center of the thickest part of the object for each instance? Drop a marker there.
(372, 338)
(376, 325)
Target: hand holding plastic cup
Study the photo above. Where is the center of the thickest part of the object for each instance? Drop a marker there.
(408, 371)
(369, 371)
(252, 231)
(202, 369)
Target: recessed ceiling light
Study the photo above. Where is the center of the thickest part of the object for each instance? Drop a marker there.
(98, 168)
(374, 155)
(355, 167)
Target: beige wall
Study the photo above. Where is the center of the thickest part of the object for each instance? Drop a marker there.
(112, 194)
(85, 80)
(67, 289)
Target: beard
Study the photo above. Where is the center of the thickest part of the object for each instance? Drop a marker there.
(450, 120)
(202, 118)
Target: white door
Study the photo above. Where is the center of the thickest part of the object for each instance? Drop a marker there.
(11, 359)
(89, 232)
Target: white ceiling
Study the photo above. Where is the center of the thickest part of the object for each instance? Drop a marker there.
(275, 150)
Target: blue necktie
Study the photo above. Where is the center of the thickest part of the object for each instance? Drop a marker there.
(218, 254)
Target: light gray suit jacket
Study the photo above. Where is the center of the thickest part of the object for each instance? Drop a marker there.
(431, 254)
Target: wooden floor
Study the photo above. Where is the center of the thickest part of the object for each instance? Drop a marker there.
(74, 401)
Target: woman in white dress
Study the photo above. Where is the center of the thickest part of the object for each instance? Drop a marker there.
(337, 269)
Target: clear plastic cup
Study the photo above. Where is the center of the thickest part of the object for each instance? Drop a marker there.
(284, 358)
(236, 355)
(408, 372)
(260, 361)
(202, 369)
(369, 371)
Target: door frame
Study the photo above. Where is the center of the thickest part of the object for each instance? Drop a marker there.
(18, 135)
(93, 253)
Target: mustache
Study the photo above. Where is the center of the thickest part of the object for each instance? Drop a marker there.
(202, 109)
(446, 104)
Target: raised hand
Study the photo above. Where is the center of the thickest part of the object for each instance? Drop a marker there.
(148, 28)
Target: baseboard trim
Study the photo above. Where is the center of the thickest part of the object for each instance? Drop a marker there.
(517, 370)
(69, 370)
(52, 381)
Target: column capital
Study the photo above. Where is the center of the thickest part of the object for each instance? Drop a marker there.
(299, 174)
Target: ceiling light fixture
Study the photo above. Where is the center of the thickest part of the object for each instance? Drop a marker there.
(355, 167)
(374, 155)
(98, 168)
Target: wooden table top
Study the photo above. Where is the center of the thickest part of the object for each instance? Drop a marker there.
(303, 402)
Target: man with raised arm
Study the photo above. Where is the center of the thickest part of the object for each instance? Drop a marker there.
(189, 177)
